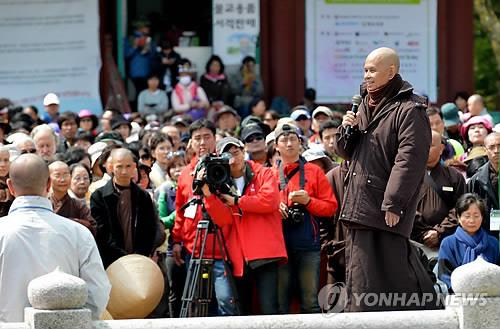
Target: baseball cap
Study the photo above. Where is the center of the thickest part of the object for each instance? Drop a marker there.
(179, 119)
(314, 154)
(270, 137)
(318, 154)
(50, 98)
(250, 120)
(322, 109)
(224, 144)
(251, 129)
(450, 114)
(300, 114)
(118, 120)
(285, 128)
(225, 109)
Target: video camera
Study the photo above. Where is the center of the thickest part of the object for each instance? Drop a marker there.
(217, 174)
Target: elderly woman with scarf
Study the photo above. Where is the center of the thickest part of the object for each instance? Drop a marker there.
(469, 241)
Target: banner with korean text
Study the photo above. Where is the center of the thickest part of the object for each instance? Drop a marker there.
(50, 46)
(341, 33)
(236, 27)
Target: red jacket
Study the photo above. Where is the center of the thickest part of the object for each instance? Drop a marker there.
(184, 230)
(323, 202)
(257, 233)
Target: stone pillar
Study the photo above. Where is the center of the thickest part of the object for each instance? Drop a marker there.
(477, 295)
(57, 301)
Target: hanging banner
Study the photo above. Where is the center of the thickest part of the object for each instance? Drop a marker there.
(341, 33)
(50, 46)
(236, 27)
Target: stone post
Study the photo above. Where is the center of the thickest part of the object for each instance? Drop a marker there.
(477, 295)
(57, 301)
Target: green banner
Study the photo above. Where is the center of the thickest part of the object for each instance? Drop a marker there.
(374, 2)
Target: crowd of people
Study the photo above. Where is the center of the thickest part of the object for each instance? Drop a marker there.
(368, 190)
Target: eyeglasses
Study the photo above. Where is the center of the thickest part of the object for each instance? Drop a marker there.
(28, 151)
(254, 138)
(172, 155)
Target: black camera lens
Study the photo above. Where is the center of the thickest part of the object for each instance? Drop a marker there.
(217, 174)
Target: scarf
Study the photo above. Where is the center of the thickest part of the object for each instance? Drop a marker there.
(192, 89)
(474, 245)
(215, 77)
(380, 96)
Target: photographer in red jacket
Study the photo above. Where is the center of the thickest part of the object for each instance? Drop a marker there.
(306, 198)
(202, 142)
(255, 245)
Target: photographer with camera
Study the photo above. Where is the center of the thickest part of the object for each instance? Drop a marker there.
(255, 245)
(306, 196)
(183, 234)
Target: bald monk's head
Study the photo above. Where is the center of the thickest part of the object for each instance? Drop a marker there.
(435, 151)
(381, 65)
(124, 167)
(60, 178)
(29, 175)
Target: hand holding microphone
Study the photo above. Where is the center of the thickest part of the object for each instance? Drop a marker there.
(350, 120)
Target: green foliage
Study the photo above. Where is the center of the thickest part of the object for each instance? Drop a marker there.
(486, 75)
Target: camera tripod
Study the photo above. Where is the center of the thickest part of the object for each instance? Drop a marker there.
(199, 287)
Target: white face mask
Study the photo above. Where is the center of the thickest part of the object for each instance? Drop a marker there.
(185, 80)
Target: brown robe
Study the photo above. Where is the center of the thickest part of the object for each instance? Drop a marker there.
(435, 211)
(388, 154)
(74, 210)
(332, 233)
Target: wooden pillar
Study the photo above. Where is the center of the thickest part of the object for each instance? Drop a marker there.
(455, 48)
(283, 49)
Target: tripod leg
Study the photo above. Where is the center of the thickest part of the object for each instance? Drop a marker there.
(198, 287)
(191, 284)
(227, 269)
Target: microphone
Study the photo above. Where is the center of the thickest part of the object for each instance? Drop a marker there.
(356, 100)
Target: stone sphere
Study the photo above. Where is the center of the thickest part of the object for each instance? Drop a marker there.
(478, 276)
(57, 291)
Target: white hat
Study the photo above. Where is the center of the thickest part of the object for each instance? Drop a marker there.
(314, 154)
(50, 98)
(95, 151)
(270, 137)
(322, 109)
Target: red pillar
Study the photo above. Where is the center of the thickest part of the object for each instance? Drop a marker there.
(455, 48)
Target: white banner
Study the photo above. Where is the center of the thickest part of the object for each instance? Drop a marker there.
(236, 27)
(50, 46)
(341, 33)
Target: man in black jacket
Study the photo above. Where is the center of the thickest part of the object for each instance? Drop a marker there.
(127, 222)
(485, 181)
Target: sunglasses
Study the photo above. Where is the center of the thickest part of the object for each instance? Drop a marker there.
(28, 151)
(253, 138)
(172, 155)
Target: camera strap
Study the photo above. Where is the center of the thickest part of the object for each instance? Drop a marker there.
(284, 180)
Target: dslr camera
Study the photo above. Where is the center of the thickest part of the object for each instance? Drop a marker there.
(217, 174)
(296, 214)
